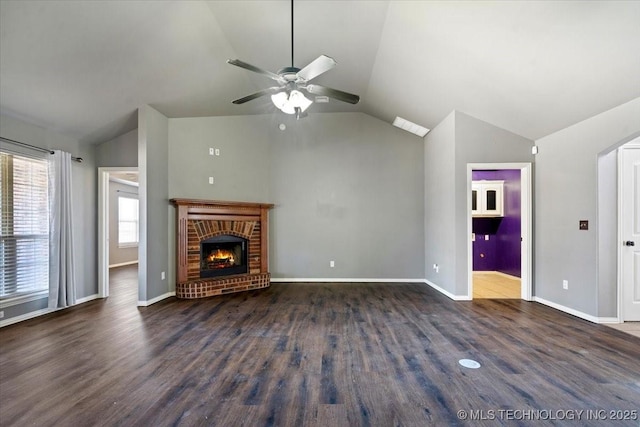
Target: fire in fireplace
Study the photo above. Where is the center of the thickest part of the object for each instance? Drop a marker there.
(222, 256)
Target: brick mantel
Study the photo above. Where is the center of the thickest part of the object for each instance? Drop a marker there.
(198, 220)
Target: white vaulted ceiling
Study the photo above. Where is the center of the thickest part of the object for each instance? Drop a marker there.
(83, 68)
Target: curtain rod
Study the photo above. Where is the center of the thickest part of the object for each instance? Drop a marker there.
(33, 147)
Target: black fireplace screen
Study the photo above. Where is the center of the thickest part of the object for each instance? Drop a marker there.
(223, 256)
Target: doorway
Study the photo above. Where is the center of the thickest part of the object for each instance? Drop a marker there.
(118, 222)
(491, 231)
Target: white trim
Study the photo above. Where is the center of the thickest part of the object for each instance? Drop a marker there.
(23, 299)
(156, 299)
(27, 316)
(122, 264)
(620, 219)
(43, 311)
(526, 287)
(634, 143)
(103, 226)
(568, 310)
(370, 280)
(86, 299)
(609, 320)
(123, 181)
(447, 293)
(342, 280)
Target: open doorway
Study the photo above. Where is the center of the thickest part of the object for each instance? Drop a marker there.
(499, 225)
(118, 225)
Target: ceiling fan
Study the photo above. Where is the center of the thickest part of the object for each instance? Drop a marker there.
(289, 96)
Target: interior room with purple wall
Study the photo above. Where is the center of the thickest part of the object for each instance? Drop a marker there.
(502, 252)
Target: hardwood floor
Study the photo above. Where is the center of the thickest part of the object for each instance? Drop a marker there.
(311, 354)
(494, 285)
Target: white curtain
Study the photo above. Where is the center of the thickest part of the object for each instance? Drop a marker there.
(62, 284)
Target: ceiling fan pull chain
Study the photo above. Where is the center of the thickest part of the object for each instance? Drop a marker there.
(292, 34)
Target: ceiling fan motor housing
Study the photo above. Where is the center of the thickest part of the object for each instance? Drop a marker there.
(289, 74)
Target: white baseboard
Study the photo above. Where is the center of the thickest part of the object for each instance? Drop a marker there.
(447, 293)
(342, 280)
(87, 299)
(27, 316)
(43, 311)
(567, 310)
(122, 264)
(156, 299)
(369, 280)
(605, 320)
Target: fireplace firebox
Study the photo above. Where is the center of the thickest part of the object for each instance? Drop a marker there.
(223, 255)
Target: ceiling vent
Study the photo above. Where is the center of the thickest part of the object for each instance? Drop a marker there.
(415, 129)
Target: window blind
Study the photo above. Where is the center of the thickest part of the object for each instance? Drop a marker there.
(24, 222)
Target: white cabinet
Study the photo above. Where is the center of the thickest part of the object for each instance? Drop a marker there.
(487, 198)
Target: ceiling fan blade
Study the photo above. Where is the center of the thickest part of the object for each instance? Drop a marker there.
(320, 65)
(333, 93)
(255, 69)
(269, 91)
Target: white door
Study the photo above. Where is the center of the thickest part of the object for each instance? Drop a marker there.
(630, 227)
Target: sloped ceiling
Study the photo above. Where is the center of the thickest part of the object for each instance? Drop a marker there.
(83, 68)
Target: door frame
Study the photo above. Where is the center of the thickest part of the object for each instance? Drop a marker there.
(526, 205)
(634, 145)
(103, 226)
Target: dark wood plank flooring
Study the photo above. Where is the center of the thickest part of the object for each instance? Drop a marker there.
(311, 354)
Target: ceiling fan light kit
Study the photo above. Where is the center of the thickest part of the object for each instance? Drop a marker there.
(289, 102)
(289, 96)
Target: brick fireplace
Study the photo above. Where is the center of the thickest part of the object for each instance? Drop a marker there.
(222, 247)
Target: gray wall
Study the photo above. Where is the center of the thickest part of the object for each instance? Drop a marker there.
(153, 152)
(347, 187)
(440, 204)
(566, 191)
(479, 142)
(460, 139)
(118, 255)
(241, 172)
(84, 205)
(119, 152)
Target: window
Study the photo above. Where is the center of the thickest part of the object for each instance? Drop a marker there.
(127, 222)
(24, 225)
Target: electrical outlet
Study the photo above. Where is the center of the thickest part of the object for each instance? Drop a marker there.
(332, 264)
(486, 237)
(436, 267)
(565, 284)
(211, 180)
(162, 276)
(217, 151)
(211, 151)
